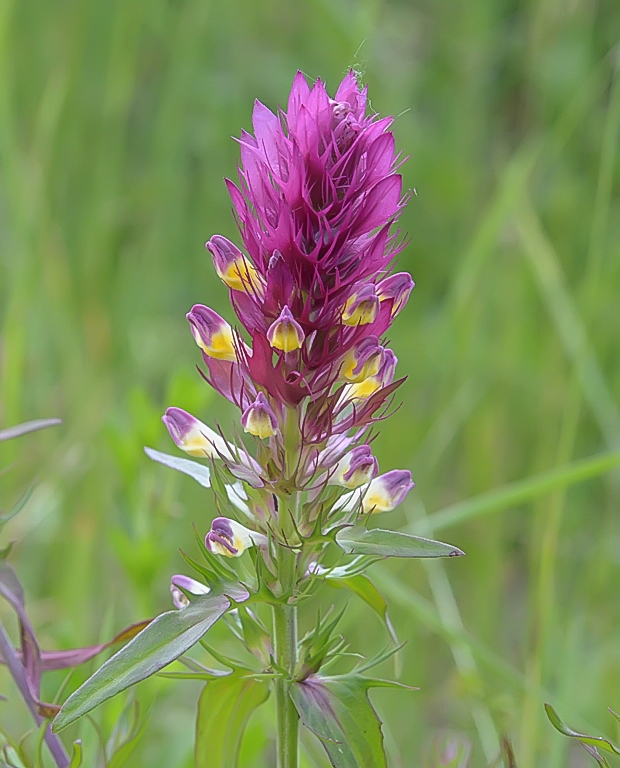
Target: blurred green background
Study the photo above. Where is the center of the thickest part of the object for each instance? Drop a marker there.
(116, 120)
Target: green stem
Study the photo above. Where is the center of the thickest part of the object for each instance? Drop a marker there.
(285, 635)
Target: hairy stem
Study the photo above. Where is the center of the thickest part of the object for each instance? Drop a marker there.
(285, 632)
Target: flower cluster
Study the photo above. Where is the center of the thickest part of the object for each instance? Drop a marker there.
(317, 198)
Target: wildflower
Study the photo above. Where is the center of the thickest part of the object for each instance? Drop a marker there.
(383, 376)
(362, 361)
(194, 437)
(387, 491)
(259, 419)
(362, 307)
(212, 333)
(232, 267)
(285, 333)
(356, 468)
(396, 287)
(230, 539)
(179, 583)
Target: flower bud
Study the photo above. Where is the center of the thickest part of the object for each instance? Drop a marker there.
(356, 468)
(387, 491)
(233, 268)
(285, 333)
(179, 599)
(396, 287)
(259, 419)
(362, 307)
(230, 539)
(362, 361)
(194, 437)
(212, 333)
(384, 376)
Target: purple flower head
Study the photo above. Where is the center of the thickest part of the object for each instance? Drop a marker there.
(356, 468)
(387, 491)
(396, 287)
(230, 539)
(212, 333)
(285, 333)
(362, 307)
(259, 419)
(180, 582)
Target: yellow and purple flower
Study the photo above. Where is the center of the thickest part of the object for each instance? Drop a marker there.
(231, 539)
(387, 491)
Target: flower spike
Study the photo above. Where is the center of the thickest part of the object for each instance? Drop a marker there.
(212, 333)
(285, 333)
(259, 419)
(230, 539)
(387, 491)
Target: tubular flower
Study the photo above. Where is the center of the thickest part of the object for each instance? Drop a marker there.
(362, 307)
(232, 267)
(212, 333)
(231, 539)
(387, 491)
(383, 376)
(356, 468)
(362, 361)
(285, 333)
(397, 288)
(194, 437)
(180, 582)
(259, 419)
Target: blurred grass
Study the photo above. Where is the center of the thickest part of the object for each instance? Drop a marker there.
(115, 126)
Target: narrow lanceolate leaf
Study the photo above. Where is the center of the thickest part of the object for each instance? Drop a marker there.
(199, 472)
(224, 709)
(361, 541)
(165, 639)
(595, 741)
(337, 710)
(28, 426)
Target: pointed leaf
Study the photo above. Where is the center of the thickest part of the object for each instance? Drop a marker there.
(194, 469)
(595, 741)
(224, 709)
(337, 710)
(17, 508)
(28, 426)
(362, 541)
(165, 639)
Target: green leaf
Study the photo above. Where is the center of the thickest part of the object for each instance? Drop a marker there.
(76, 756)
(361, 541)
(596, 741)
(224, 709)
(194, 469)
(165, 639)
(337, 710)
(28, 426)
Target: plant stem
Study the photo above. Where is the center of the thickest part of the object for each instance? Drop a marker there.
(18, 673)
(287, 734)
